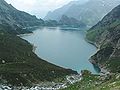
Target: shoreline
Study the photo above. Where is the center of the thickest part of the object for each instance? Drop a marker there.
(90, 42)
(102, 69)
(34, 49)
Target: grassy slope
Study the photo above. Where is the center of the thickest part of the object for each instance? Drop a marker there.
(106, 34)
(20, 66)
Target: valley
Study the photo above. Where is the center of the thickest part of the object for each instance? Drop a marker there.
(58, 52)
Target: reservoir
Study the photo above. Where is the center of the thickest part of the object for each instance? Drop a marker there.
(65, 47)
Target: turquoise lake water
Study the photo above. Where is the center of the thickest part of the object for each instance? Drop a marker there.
(65, 47)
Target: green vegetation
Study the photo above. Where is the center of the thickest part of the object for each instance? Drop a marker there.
(20, 66)
(114, 64)
(91, 35)
(106, 35)
(97, 82)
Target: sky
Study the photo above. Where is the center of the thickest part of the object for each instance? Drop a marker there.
(38, 7)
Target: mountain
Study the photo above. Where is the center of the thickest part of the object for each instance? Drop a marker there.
(52, 23)
(71, 22)
(56, 14)
(19, 65)
(17, 19)
(89, 12)
(106, 36)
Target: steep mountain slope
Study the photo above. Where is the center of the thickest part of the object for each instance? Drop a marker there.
(90, 12)
(71, 22)
(18, 63)
(57, 14)
(106, 35)
(15, 18)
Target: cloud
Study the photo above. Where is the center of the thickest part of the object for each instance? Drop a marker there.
(22, 4)
(38, 7)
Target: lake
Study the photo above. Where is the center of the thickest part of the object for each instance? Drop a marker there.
(65, 47)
